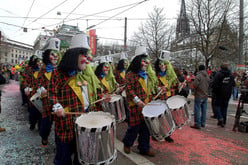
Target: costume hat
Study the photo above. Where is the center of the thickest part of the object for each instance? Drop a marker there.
(53, 43)
(164, 55)
(80, 41)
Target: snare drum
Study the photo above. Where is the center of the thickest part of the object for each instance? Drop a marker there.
(158, 119)
(179, 110)
(36, 101)
(115, 107)
(95, 134)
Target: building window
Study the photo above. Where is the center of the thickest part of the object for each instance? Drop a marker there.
(12, 55)
(5, 59)
(12, 61)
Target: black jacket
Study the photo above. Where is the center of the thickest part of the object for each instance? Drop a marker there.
(223, 83)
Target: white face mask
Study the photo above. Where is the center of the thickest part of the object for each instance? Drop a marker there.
(144, 64)
(162, 67)
(82, 62)
(53, 57)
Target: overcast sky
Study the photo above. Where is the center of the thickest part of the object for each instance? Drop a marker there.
(35, 14)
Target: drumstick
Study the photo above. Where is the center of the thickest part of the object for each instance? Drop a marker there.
(154, 98)
(72, 113)
(153, 104)
(181, 87)
(99, 100)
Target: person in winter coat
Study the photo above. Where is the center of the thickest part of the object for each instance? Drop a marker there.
(222, 88)
(201, 84)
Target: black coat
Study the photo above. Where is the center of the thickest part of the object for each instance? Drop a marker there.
(222, 84)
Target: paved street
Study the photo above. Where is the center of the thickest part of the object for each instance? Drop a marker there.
(210, 145)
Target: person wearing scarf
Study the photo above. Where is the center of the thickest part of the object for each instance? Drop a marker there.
(139, 89)
(166, 79)
(49, 58)
(69, 91)
(108, 83)
(30, 86)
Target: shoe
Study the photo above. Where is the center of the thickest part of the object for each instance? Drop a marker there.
(127, 149)
(148, 153)
(2, 129)
(195, 127)
(214, 117)
(32, 127)
(169, 139)
(203, 126)
(221, 123)
(44, 143)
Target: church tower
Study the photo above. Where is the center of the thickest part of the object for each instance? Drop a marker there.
(183, 28)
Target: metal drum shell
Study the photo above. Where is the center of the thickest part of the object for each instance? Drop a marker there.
(161, 125)
(96, 145)
(179, 111)
(116, 108)
(37, 102)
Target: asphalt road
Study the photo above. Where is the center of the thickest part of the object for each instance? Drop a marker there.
(210, 145)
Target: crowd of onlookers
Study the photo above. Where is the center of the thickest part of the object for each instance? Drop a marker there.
(7, 73)
(240, 78)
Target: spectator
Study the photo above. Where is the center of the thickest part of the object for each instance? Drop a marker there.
(222, 88)
(200, 84)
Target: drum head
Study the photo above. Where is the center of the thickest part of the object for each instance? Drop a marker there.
(115, 98)
(35, 96)
(94, 120)
(175, 102)
(154, 109)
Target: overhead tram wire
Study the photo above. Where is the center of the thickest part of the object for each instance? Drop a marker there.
(98, 13)
(48, 12)
(121, 12)
(28, 12)
(73, 9)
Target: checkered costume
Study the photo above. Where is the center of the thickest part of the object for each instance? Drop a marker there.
(134, 88)
(63, 89)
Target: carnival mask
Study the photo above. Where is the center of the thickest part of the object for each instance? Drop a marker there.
(53, 57)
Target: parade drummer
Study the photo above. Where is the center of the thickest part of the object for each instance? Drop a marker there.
(107, 80)
(120, 69)
(139, 88)
(50, 59)
(68, 96)
(166, 78)
(30, 87)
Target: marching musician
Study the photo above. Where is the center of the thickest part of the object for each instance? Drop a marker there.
(49, 58)
(67, 96)
(120, 70)
(139, 88)
(166, 78)
(30, 86)
(107, 80)
(119, 73)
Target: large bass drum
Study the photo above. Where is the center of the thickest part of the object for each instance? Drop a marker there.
(95, 134)
(158, 119)
(179, 109)
(115, 107)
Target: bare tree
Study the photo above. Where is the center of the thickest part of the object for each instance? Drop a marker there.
(155, 33)
(207, 18)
